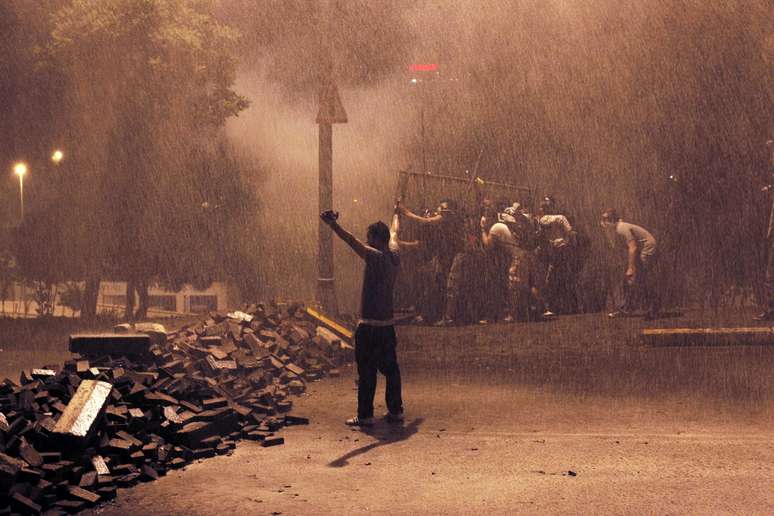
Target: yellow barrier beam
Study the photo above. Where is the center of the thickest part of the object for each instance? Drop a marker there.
(330, 323)
(708, 336)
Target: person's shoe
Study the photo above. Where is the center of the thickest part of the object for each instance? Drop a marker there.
(360, 421)
(618, 314)
(508, 319)
(394, 417)
(768, 315)
(483, 322)
(444, 322)
(548, 313)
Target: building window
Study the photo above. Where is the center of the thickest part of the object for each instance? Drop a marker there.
(119, 300)
(165, 302)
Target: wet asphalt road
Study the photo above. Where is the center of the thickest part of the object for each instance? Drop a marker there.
(572, 416)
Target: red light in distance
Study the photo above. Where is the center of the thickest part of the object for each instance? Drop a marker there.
(429, 67)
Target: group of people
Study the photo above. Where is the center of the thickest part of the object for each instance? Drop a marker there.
(541, 254)
(510, 264)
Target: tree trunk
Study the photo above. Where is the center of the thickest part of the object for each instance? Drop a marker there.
(131, 286)
(90, 297)
(142, 293)
(54, 292)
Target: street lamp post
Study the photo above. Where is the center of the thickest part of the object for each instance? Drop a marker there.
(20, 169)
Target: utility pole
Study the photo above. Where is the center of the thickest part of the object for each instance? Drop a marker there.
(330, 112)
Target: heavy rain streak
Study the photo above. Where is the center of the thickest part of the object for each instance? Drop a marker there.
(167, 160)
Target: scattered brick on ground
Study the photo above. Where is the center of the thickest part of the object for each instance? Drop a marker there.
(141, 401)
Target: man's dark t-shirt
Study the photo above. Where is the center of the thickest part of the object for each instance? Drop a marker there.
(450, 234)
(381, 269)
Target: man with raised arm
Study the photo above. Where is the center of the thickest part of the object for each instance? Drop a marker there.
(375, 339)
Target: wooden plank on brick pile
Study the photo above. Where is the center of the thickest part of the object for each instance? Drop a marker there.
(330, 324)
(80, 416)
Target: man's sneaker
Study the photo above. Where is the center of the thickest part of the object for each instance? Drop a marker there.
(618, 314)
(360, 421)
(444, 322)
(768, 315)
(548, 313)
(508, 319)
(394, 418)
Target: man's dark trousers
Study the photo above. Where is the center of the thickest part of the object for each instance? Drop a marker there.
(645, 288)
(375, 351)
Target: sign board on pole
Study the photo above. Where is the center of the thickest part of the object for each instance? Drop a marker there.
(331, 109)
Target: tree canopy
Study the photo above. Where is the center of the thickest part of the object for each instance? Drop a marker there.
(141, 89)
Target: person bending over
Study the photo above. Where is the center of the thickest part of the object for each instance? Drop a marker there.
(375, 340)
(640, 277)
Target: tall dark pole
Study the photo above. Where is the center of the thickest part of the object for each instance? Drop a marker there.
(770, 230)
(330, 112)
(326, 292)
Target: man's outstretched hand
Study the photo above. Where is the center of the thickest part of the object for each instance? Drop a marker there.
(329, 217)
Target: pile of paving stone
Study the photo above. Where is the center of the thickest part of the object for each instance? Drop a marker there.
(142, 401)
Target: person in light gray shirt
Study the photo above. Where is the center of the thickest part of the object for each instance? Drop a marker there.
(640, 275)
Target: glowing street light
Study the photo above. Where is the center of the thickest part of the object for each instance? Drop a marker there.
(20, 169)
(57, 156)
